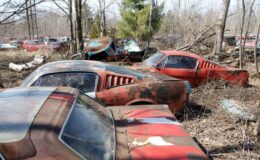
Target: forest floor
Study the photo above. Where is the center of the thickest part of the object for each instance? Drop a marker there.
(224, 135)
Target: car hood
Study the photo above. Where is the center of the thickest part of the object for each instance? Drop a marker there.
(152, 132)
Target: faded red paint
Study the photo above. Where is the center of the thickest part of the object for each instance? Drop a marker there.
(204, 71)
(167, 153)
(45, 129)
(115, 89)
(180, 144)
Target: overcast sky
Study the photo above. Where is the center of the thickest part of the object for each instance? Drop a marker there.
(114, 9)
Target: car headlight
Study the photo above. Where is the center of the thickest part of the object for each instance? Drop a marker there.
(188, 87)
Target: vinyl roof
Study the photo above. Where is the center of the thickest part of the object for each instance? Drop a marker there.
(18, 108)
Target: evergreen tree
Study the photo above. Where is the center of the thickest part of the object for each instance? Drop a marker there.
(135, 18)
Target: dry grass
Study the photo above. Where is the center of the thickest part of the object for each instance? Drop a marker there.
(222, 136)
(10, 78)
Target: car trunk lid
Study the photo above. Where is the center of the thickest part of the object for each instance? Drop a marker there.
(152, 132)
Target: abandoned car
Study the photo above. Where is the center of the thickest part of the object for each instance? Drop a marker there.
(113, 85)
(191, 67)
(105, 49)
(62, 123)
(48, 45)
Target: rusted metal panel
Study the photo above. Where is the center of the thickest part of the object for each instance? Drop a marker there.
(120, 86)
(152, 129)
(98, 45)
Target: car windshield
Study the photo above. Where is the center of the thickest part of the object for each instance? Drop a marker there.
(154, 59)
(89, 130)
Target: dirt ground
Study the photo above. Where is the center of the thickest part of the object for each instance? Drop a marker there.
(223, 135)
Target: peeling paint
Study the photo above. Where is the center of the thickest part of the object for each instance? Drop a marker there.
(154, 121)
(156, 141)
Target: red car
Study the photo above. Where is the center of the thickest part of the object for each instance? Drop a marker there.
(191, 67)
(61, 123)
(32, 45)
(113, 85)
(35, 45)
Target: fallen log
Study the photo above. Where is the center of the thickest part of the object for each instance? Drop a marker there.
(37, 60)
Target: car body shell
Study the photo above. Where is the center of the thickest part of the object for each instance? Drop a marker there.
(204, 70)
(141, 132)
(122, 89)
(33, 46)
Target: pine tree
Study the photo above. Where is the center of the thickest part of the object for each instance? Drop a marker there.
(135, 18)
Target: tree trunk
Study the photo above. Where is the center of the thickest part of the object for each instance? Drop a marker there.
(28, 19)
(72, 37)
(255, 49)
(35, 20)
(102, 5)
(248, 25)
(221, 26)
(78, 9)
(31, 17)
(241, 51)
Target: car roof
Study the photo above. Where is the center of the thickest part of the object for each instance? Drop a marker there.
(19, 107)
(181, 53)
(77, 65)
(27, 113)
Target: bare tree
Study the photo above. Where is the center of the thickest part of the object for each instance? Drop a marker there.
(31, 19)
(35, 20)
(28, 19)
(79, 36)
(255, 49)
(221, 26)
(241, 52)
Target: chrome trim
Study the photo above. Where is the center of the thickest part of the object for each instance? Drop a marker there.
(113, 124)
(1, 157)
(188, 87)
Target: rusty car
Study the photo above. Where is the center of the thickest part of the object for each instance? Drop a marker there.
(105, 49)
(51, 45)
(191, 67)
(111, 84)
(63, 123)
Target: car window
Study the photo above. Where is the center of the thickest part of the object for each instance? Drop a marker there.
(180, 62)
(89, 130)
(154, 59)
(85, 82)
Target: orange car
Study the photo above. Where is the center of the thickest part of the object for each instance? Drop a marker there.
(113, 85)
(191, 67)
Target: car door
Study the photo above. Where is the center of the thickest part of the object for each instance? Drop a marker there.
(86, 82)
(182, 67)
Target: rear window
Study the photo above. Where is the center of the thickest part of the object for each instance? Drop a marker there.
(89, 130)
(85, 82)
